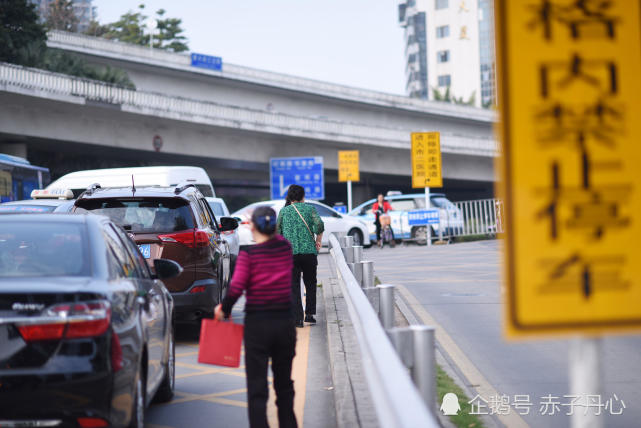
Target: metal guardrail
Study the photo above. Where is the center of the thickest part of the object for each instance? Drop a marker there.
(218, 114)
(476, 217)
(397, 401)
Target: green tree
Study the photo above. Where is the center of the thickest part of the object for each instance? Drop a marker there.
(60, 61)
(96, 29)
(22, 38)
(131, 28)
(60, 16)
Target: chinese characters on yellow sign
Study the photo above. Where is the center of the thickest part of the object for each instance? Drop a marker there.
(571, 125)
(426, 160)
(348, 166)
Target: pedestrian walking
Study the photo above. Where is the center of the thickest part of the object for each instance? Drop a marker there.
(263, 272)
(301, 225)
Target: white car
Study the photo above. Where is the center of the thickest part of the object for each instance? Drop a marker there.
(219, 208)
(334, 221)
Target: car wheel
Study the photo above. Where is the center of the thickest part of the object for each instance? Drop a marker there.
(166, 389)
(138, 414)
(357, 235)
(419, 234)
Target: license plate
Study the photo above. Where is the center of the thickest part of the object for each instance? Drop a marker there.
(145, 249)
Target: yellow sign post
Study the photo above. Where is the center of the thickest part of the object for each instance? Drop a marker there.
(570, 90)
(426, 166)
(348, 171)
(426, 160)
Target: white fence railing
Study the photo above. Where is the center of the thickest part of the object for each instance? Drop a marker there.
(477, 217)
(217, 114)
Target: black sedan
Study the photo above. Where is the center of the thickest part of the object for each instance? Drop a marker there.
(86, 334)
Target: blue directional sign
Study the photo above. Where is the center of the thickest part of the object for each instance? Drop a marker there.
(421, 217)
(304, 171)
(207, 61)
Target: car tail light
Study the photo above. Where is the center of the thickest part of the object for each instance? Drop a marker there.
(92, 422)
(70, 321)
(191, 238)
(197, 289)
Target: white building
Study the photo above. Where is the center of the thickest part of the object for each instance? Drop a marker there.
(449, 44)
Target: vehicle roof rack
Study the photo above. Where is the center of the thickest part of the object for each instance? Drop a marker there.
(180, 187)
(91, 189)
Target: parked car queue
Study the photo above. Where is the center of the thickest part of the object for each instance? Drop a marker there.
(83, 309)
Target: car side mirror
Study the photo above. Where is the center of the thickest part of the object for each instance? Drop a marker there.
(167, 269)
(228, 223)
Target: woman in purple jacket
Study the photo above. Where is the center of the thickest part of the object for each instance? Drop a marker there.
(264, 273)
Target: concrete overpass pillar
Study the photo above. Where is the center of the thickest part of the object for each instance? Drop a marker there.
(14, 149)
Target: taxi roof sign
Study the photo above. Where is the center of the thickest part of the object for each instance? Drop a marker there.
(52, 194)
(569, 104)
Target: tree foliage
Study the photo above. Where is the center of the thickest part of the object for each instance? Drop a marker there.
(59, 61)
(60, 16)
(132, 28)
(22, 38)
(447, 96)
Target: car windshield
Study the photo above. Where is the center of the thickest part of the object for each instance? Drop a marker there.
(217, 208)
(43, 249)
(249, 209)
(143, 215)
(15, 208)
(441, 202)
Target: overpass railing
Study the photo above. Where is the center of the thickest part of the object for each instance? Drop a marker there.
(128, 51)
(199, 111)
(398, 402)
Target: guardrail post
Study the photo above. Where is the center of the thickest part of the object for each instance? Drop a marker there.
(347, 241)
(386, 308)
(424, 367)
(368, 274)
(357, 270)
(358, 253)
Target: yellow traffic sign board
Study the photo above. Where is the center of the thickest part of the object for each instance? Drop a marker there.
(426, 159)
(570, 90)
(348, 166)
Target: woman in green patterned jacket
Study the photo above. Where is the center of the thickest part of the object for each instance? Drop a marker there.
(301, 225)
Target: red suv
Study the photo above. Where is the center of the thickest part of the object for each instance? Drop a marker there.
(176, 224)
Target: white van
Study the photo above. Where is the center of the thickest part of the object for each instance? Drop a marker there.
(143, 176)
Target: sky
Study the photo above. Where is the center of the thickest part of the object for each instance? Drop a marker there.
(352, 42)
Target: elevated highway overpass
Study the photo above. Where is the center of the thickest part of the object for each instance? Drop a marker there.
(230, 122)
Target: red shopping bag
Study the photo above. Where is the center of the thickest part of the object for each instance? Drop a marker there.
(220, 342)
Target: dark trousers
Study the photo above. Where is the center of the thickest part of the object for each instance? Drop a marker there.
(265, 338)
(305, 264)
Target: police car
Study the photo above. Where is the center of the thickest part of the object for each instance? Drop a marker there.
(42, 201)
(451, 217)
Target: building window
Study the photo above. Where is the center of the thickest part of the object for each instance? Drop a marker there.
(444, 80)
(441, 4)
(443, 56)
(442, 31)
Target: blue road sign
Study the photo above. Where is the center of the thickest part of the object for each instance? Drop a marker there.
(207, 61)
(304, 171)
(421, 217)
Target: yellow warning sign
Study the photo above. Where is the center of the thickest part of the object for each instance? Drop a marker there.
(426, 159)
(570, 89)
(348, 166)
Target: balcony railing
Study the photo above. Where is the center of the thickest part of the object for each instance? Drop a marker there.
(46, 84)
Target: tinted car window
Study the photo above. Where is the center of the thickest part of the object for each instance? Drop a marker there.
(124, 258)
(205, 190)
(134, 253)
(144, 215)
(46, 249)
(27, 208)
